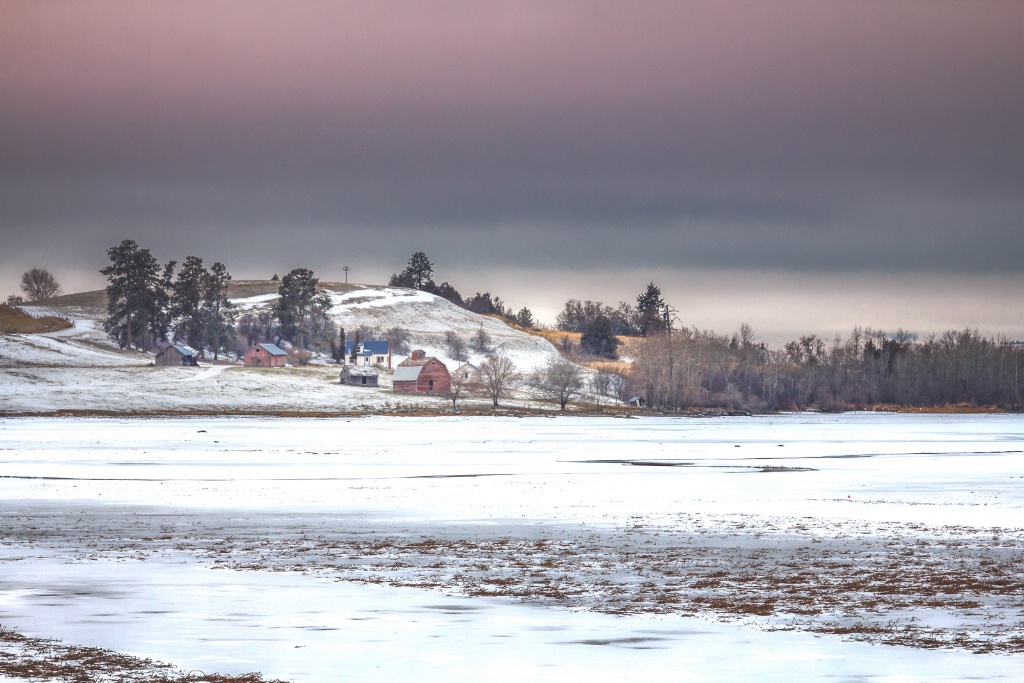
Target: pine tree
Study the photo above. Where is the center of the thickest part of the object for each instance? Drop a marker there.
(300, 295)
(218, 310)
(187, 304)
(137, 294)
(598, 338)
(420, 269)
(524, 318)
(649, 308)
(418, 273)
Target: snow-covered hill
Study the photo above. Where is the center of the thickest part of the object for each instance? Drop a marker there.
(80, 369)
(426, 318)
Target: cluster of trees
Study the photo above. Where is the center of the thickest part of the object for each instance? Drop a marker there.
(693, 368)
(599, 324)
(560, 381)
(36, 284)
(459, 346)
(147, 304)
(419, 274)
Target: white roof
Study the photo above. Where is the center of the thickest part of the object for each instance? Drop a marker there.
(407, 373)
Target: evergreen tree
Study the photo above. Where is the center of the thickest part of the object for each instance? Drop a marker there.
(301, 304)
(158, 309)
(524, 318)
(420, 269)
(598, 338)
(417, 274)
(218, 310)
(187, 304)
(650, 308)
(137, 294)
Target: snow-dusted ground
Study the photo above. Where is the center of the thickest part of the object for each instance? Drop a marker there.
(427, 318)
(80, 368)
(524, 549)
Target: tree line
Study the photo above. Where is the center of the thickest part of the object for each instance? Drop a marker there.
(419, 274)
(149, 305)
(688, 367)
(600, 325)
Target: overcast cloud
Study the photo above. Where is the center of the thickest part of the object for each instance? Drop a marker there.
(791, 153)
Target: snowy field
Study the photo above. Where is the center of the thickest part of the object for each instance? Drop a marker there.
(796, 547)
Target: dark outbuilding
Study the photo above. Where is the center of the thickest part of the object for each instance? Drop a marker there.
(176, 354)
(359, 376)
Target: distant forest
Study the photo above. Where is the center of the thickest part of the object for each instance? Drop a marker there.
(690, 368)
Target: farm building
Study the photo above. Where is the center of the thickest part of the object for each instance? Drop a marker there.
(359, 376)
(470, 373)
(176, 354)
(368, 353)
(265, 356)
(422, 374)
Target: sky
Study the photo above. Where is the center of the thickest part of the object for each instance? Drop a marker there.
(804, 167)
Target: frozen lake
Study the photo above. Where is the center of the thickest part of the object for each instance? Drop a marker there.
(785, 547)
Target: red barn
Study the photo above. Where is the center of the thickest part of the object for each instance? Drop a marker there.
(265, 356)
(420, 374)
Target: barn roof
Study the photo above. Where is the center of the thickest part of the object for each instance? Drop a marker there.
(181, 348)
(272, 349)
(407, 373)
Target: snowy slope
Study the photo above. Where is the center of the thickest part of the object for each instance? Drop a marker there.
(81, 369)
(426, 317)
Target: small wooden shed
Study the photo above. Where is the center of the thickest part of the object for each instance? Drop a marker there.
(176, 354)
(422, 374)
(265, 356)
(359, 376)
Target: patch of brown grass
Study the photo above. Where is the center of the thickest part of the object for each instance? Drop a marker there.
(41, 659)
(14, 321)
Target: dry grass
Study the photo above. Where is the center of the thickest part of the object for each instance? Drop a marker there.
(41, 659)
(242, 289)
(947, 409)
(966, 588)
(13, 321)
(94, 302)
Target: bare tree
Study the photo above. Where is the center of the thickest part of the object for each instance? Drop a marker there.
(560, 380)
(459, 386)
(38, 284)
(498, 376)
(456, 346)
(399, 338)
(605, 384)
(481, 339)
(15, 300)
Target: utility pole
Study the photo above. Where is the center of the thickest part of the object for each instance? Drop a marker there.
(346, 274)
